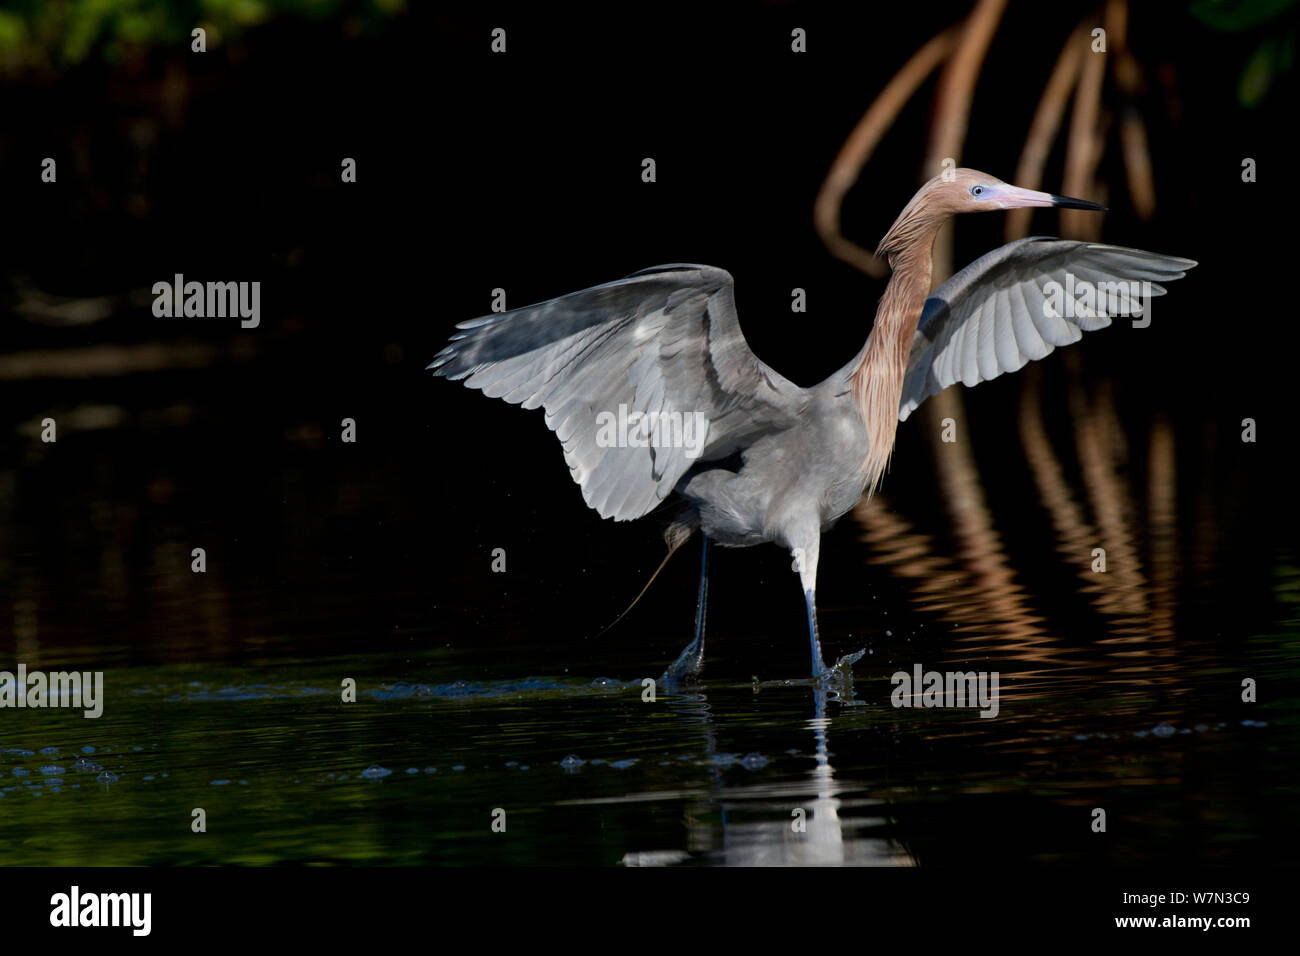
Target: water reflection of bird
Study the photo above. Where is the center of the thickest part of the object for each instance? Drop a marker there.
(777, 462)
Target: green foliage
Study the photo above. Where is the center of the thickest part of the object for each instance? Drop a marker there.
(1234, 15)
(1275, 53)
(1273, 56)
(57, 34)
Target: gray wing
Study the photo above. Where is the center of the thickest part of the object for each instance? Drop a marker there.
(663, 341)
(999, 312)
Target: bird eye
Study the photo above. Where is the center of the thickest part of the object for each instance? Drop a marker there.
(977, 191)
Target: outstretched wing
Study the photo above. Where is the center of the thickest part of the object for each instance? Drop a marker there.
(663, 342)
(1000, 311)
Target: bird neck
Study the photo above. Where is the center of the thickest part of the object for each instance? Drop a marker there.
(878, 377)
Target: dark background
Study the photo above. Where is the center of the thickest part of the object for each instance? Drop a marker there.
(522, 171)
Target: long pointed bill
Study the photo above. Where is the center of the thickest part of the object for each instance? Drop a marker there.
(1012, 197)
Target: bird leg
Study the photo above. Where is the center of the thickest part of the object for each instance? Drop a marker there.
(810, 599)
(805, 560)
(690, 662)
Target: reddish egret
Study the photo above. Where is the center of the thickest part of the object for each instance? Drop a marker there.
(653, 391)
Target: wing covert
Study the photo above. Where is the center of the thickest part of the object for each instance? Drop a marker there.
(1001, 311)
(661, 346)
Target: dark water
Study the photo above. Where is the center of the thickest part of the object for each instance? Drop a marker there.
(480, 692)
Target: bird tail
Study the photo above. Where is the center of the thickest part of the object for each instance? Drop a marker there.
(677, 533)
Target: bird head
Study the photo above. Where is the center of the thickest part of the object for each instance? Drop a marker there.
(969, 190)
(963, 190)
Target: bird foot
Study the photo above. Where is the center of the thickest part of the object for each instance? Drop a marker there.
(685, 670)
(674, 679)
(841, 670)
(848, 660)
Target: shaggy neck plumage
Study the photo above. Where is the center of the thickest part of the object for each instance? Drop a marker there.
(878, 379)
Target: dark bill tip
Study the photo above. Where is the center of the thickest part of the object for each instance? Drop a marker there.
(1065, 202)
